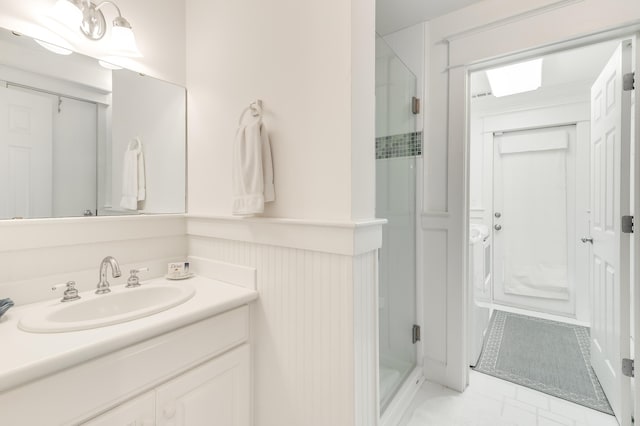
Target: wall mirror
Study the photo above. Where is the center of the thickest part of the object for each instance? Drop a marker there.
(80, 138)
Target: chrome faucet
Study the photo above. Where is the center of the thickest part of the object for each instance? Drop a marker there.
(103, 284)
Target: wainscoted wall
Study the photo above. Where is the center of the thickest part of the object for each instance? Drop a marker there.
(314, 327)
(38, 253)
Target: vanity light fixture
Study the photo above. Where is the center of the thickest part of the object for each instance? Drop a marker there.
(516, 78)
(88, 17)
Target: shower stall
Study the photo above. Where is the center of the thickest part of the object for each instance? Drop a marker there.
(398, 144)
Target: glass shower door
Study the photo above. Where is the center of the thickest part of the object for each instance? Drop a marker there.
(397, 146)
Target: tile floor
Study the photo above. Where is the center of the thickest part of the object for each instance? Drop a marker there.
(489, 401)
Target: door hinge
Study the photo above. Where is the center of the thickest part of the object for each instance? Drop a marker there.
(628, 81)
(628, 367)
(415, 105)
(415, 333)
(627, 224)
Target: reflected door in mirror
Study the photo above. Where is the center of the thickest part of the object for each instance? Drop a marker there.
(25, 154)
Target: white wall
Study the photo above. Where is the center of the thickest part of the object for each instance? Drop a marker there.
(488, 29)
(300, 62)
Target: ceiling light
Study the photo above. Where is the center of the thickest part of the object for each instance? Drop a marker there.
(88, 17)
(516, 78)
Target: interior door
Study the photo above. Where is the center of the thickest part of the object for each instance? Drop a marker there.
(609, 257)
(25, 154)
(534, 219)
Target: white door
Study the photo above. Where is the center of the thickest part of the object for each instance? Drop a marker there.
(25, 154)
(609, 258)
(534, 219)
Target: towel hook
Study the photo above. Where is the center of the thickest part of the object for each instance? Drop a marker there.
(256, 110)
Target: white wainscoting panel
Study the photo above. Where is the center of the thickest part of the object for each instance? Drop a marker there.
(313, 331)
(365, 294)
(435, 292)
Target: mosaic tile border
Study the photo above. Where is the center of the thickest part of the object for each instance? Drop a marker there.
(404, 145)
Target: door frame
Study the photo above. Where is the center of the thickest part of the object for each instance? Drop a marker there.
(459, 78)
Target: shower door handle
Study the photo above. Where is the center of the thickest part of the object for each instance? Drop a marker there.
(497, 227)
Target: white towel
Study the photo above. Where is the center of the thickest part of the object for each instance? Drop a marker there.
(252, 170)
(133, 177)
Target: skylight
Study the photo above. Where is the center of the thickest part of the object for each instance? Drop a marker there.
(516, 78)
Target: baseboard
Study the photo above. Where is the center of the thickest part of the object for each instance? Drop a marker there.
(401, 402)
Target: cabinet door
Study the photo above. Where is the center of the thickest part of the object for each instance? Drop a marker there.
(140, 411)
(216, 393)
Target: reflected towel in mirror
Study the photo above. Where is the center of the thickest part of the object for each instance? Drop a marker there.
(133, 177)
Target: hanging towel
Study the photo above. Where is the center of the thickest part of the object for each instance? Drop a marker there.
(252, 170)
(133, 178)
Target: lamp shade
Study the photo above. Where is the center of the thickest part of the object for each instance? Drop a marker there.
(123, 42)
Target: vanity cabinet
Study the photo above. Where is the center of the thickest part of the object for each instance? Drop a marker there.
(140, 411)
(215, 393)
(197, 374)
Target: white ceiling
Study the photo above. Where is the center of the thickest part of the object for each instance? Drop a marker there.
(394, 15)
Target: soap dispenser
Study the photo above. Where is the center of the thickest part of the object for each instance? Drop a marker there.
(133, 280)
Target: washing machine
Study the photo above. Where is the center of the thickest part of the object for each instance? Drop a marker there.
(479, 292)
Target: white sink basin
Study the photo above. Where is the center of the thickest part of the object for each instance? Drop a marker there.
(100, 310)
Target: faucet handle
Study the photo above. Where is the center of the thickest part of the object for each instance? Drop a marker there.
(70, 294)
(133, 280)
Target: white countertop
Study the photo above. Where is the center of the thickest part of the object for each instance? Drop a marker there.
(26, 356)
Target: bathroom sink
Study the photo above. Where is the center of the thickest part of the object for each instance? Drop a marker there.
(99, 310)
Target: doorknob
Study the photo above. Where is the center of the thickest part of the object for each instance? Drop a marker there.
(497, 227)
(586, 240)
(497, 214)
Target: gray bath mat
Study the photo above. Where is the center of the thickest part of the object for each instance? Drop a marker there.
(548, 356)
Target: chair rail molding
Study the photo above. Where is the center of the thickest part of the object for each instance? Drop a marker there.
(344, 238)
